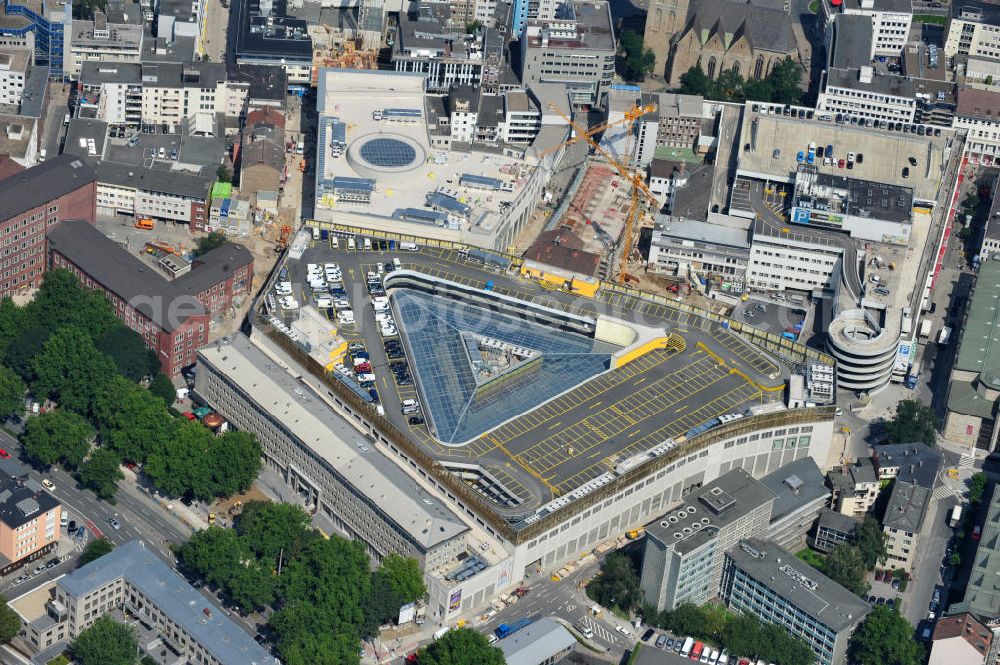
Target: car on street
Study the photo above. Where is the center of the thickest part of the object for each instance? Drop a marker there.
(114, 524)
(48, 484)
(416, 420)
(646, 636)
(4, 454)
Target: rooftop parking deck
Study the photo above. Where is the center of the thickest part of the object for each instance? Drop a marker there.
(574, 408)
(772, 142)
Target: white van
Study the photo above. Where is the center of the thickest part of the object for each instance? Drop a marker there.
(410, 402)
(585, 631)
(335, 242)
(346, 317)
(315, 231)
(350, 244)
(396, 265)
(64, 518)
(409, 246)
(368, 244)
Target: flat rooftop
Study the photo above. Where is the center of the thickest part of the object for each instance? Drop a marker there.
(577, 414)
(592, 22)
(394, 158)
(721, 502)
(799, 583)
(876, 200)
(172, 594)
(979, 346)
(385, 486)
(775, 140)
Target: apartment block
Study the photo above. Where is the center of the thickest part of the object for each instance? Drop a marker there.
(683, 247)
(15, 63)
(168, 196)
(768, 582)
(29, 523)
(676, 123)
(978, 113)
(134, 584)
(575, 48)
(683, 558)
(973, 30)
(801, 496)
(890, 22)
(833, 529)
(855, 488)
(171, 316)
(31, 203)
(105, 40)
(904, 516)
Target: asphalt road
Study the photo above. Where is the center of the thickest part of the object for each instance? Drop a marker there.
(139, 515)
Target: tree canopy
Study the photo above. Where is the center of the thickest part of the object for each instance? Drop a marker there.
(781, 86)
(57, 436)
(206, 244)
(846, 566)
(106, 642)
(913, 422)
(977, 487)
(870, 541)
(324, 595)
(885, 637)
(461, 646)
(737, 633)
(163, 387)
(617, 585)
(10, 621)
(636, 60)
(101, 473)
(95, 549)
(70, 370)
(131, 357)
(12, 391)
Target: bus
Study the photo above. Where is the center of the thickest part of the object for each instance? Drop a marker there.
(696, 651)
(686, 649)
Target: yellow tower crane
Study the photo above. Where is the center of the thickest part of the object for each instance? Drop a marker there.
(640, 195)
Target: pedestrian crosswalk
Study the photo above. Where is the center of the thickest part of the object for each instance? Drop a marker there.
(941, 492)
(967, 461)
(601, 631)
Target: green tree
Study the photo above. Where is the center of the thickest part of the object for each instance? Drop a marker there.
(129, 353)
(728, 87)
(95, 549)
(70, 370)
(272, 528)
(955, 559)
(913, 422)
(213, 554)
(404, 577)
(11, 393)
(785, 79)
(474, 27)
(181, 469)
(636, 61)
(62, 301)
(133, 422)
(845, 566)
(163, 387)
(885, 637)
(10, 621)
(617, 585)
(233, 461)
(57, 436)
(695, 82)
(462, 646)
(870, 541)
(11, 324)
(206, 244)
(685, 619)
(106, 642)
(101, 473)
(745, 634)
(758, 90)
(224, 173)
(977, 486)
(381, 606)
(22, 350)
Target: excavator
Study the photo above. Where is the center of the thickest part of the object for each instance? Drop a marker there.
(281, 244)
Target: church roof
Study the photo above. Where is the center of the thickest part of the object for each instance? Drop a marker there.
(765, 28)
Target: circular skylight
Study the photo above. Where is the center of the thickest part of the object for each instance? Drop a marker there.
(388, 153)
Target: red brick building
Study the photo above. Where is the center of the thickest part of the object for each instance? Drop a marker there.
(33, 201)
(171, 316)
